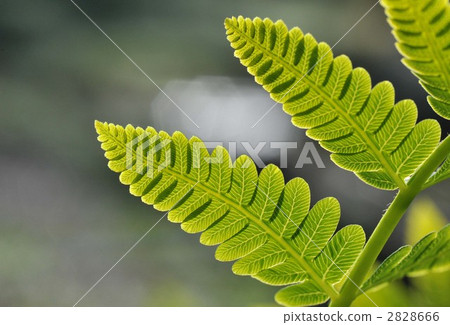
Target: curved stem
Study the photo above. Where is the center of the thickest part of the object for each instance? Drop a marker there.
(351, 288)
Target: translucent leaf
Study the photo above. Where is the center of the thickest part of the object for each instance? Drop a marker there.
(340, 253)
(257, 220)
(422, 30)
(361, 126)
(303, 294)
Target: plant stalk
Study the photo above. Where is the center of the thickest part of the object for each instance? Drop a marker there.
(383, 231)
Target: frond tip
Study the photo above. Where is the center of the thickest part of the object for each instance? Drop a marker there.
(258, 220)
(363, 128)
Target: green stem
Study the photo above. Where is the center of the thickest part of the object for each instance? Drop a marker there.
(351, 288)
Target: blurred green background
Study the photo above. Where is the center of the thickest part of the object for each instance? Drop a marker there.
(64, 217)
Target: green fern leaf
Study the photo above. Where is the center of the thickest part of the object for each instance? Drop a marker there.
(304, 294)
(257, 220)
(431, 253)
(422, 30)
(360, 125)
(441, 174)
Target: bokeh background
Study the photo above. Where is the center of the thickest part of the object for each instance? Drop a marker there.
(64, 217)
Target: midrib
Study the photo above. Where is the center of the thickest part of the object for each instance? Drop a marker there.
(429, 35)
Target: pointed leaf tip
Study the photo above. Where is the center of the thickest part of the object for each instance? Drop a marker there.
(99, 126)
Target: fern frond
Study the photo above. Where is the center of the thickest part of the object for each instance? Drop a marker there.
(422, 31)
(258, 220)
(360, 125)
(431, 253)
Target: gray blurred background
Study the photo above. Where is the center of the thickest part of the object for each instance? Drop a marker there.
(64, 217)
